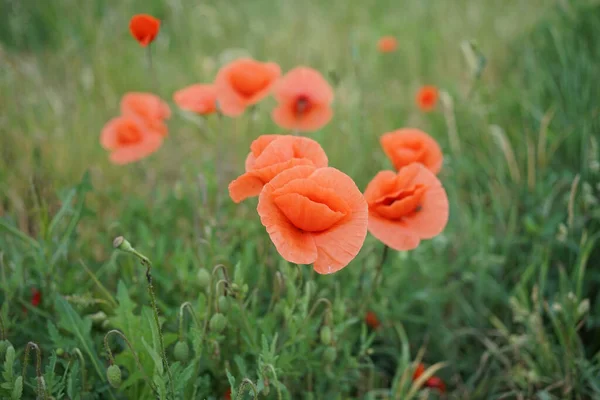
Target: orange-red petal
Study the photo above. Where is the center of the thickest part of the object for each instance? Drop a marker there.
(408, 145)
(144, 28)
(198, 98)
(313, 120)
(293, 244)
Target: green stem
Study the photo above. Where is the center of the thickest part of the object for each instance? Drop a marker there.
(161, 342)
(111, 359)
(192, 313)
(19, 235)
(245, 383)
(82, 361)
(374, 285)
(41, 385)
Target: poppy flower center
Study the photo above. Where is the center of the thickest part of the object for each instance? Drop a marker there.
(302, 105)
(310, 207)
(249, 80)
(427, 98)
(129, 134)
(401, 203)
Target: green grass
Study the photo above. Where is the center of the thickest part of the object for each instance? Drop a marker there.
(506, 298)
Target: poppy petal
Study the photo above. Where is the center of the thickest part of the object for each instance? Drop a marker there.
(135, 152)
(339, 245)
(395, 234)
(293, 244)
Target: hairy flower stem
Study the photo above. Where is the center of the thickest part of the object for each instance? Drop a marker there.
(2, 331)
(111, 359)
(83, 374)
(245, 383)
(374, 284)
(125, 246)
(41, 384)
(192, 313)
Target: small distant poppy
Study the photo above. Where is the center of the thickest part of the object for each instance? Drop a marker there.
(244, 82)
(314, 216)
(304, 98)
(227, 395)
(436, 383)
(419, 370)
(270, 155)
(201, 99)
(36, 297)
(147, 107)
(427, 97)
(129, 139)
(387, 44)
(409, 145)
(144, 28)
(371, 320)
(406, 207)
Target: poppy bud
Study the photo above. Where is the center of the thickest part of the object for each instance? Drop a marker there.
(113, 373)
(122, 244)
(60, 352)
(217, 322)
(223, 304)
(203, 277)
(326, 335)
(181, 351)
(329, 355)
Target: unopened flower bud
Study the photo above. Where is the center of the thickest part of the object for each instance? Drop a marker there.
(217, 322)
(113, 373)
(181, 351)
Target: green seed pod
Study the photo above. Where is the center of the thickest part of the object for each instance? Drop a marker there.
(329, 355)
(326, 335)
(113, 373)
(203, 277)
(217, 322)
(223, 304)
(60, 351)
(181, 351)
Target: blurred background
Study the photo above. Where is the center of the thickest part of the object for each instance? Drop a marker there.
(507, 296)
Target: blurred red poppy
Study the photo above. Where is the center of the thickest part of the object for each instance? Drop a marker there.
(436, 383)
(144, 28)
(427, 97)
(36, 297)
(371, 320)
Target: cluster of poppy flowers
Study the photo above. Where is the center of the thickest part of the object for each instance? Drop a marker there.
(314, 214)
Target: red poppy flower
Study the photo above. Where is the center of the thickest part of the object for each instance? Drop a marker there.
(144, 28)
(270, 155)
(36, 297)
(427, 97)
(304, 98)
(436, 383)
(129, 139)
(147, 107)
(314, 216)
(409, 145)
(227, 395)
(371, 320)
(201, 99)
(387, 44)
(244, 82)
(418, 371)
(406, 207)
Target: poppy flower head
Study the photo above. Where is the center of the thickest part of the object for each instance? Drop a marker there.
(304, 98)
(387, 44)
(129, 139)
(36, 297)
(406, 207)
(409, 145)
(227, 395)
(144, 28)
(201, 99)
(419, 370)
(149, 108)
(270, 155)
(427, 98)
(244, 82)
(436, 383)
(371, 320)
(314, 216)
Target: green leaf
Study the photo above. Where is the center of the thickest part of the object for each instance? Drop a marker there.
(155, 357)
(73, 382)
(9, 360)
(18, 389)
(70, 321)
(231, 380)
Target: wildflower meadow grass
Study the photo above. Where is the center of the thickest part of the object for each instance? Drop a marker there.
(299, 199)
